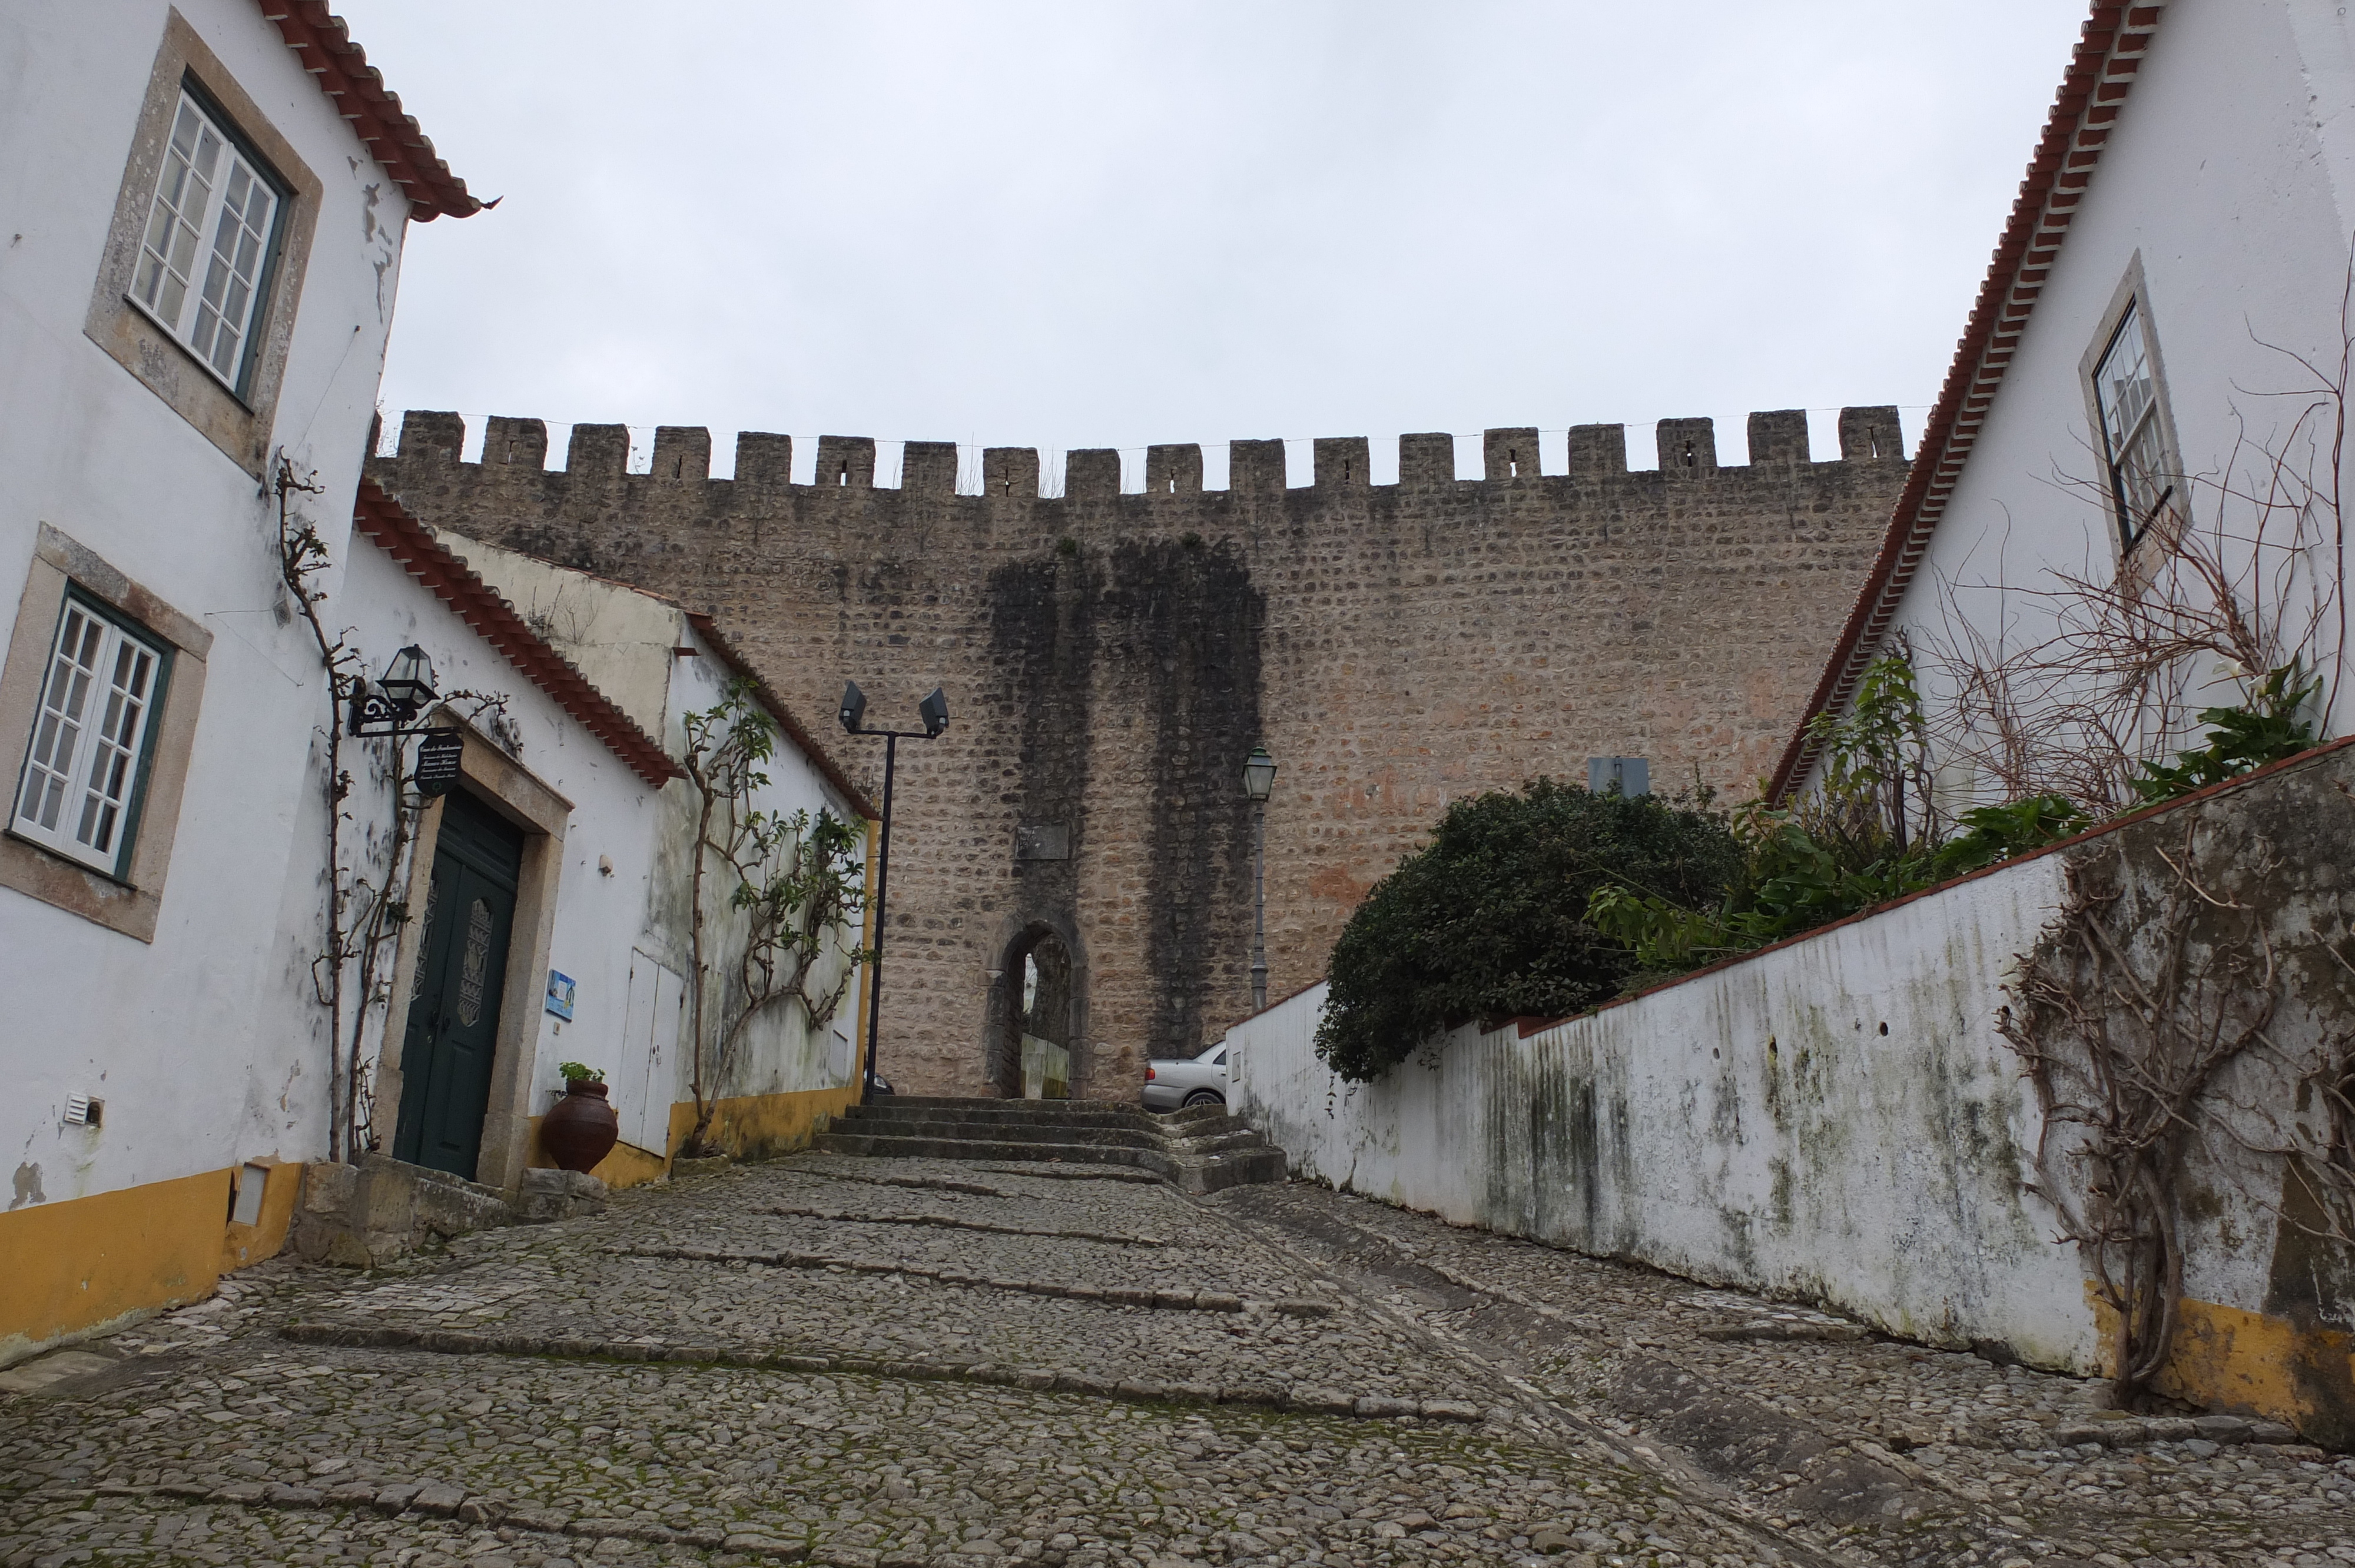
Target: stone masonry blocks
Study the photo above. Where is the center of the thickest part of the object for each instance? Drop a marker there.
(682, 452)
(1091, 473)
(1509, 455)
(846, 463)
(1687, 447)
(763, 459)
(1173, 470)
(1598, 452)
(517, 443)
(1254, 467)
(1778, 437)
(424, 433)
(929, 468)
(1010, 472)
(1343, 462)
(598, 452)
(1870, 433)
(1427, 458)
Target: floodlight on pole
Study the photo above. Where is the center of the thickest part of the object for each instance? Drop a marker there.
(935, 711)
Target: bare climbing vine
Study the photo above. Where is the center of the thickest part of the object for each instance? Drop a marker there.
(2135, 1004)
(794, 882)
(351, 971)
(2067, 686)
(2188, 1047)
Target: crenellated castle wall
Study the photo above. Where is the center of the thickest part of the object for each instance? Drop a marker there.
(1110, 657)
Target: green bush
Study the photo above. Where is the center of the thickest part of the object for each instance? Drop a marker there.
(1489, 919)
(2266, 728)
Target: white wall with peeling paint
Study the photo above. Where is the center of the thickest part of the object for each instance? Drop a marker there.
(1751, 1127)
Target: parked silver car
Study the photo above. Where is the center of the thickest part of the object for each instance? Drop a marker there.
(1199, 1082)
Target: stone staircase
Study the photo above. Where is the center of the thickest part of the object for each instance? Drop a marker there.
(1200, 1150)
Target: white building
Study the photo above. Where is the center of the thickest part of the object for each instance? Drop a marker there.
(570, 826)
(200, 234)
(2139, 425)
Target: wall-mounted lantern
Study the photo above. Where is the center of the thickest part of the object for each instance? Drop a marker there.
(400, 697)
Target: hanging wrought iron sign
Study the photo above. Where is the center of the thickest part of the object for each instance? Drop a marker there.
(437, 762)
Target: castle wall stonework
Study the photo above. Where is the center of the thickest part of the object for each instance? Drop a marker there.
(1111, 658)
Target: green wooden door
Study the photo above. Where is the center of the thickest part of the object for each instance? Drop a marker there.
(454, 1007)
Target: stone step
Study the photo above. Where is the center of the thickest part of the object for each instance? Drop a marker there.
(898, 1144)
(1133, 1136)
(1204, 1150)
(1037, 1113)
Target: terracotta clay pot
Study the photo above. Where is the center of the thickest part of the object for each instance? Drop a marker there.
(581, 1128)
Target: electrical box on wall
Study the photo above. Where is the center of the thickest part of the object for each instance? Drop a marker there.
(252, 1181)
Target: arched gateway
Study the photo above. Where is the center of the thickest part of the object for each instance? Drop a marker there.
(1034, 1012)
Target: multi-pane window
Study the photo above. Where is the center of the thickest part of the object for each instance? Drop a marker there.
(2124, 387)
(90, 740)
(202, 260)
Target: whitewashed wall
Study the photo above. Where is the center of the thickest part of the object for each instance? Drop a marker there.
(635, 956)
(1752, 1127)
(167, 1031)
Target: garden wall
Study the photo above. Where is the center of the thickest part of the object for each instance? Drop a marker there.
(1836, 1118)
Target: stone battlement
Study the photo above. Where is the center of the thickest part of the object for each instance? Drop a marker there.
(1687, 449)
(1110, 657)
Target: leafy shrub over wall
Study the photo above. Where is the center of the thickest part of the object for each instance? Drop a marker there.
(1489, 919)
(1551, 900)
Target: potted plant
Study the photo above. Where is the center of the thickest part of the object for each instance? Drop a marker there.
(581, 1129)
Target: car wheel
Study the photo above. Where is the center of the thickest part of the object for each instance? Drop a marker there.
(1206, 1098)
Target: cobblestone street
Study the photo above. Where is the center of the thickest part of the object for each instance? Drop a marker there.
(902, 1361)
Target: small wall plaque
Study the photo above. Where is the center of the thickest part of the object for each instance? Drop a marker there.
(1629, 775)
(437, 762)
(1042, 841)
(559, 995)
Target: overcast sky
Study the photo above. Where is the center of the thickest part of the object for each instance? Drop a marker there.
(1087, 224)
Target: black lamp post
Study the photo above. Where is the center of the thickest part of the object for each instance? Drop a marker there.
(935, 711)
(1259, 783)
(400, 697)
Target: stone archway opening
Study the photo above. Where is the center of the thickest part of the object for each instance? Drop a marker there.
(1033, 1048)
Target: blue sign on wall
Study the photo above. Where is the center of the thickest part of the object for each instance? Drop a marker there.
(559, 994)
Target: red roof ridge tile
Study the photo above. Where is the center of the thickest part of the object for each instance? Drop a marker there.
(323, 43)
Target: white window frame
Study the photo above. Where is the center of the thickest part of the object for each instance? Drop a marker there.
(84, 779)
(2135, 447)
(209, 245)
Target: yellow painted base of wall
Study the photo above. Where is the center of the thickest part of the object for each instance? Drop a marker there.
(2267, 1366)
(757, 1127)
(81, 1263)
(2252, 1364)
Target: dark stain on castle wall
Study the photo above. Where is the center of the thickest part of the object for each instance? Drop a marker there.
(1189, 622)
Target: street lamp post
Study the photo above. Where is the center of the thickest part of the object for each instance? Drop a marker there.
(1259, 782)
(935, 711)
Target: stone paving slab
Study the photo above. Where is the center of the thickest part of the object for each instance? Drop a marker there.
(358, 1455)
(558, 1396)
(1788, 1406)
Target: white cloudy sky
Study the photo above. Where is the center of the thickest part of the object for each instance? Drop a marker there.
(1069, 223)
